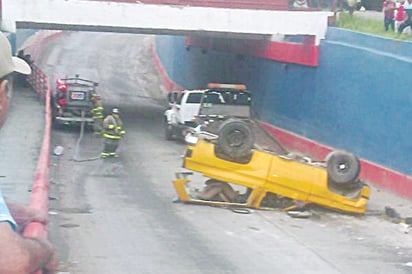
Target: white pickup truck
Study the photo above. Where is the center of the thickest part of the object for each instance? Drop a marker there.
(180, 116)
(191, 108)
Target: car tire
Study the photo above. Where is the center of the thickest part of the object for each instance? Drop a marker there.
(168, 131)
(343, 167)
(236, 138)
(54, 123)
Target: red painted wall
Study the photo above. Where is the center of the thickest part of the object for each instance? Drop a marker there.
(303, 53)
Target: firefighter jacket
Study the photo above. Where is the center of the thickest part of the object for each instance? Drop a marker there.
(97, 111)
(113, 127)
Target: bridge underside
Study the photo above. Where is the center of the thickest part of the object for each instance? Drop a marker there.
(263, 33)
(296, 49)
(137, 30)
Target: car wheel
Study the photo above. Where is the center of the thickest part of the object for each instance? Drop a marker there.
(54, 123)
(236, 138)
(168, 131)
(343, 167)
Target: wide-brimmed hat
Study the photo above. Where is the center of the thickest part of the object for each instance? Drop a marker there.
(9, 63)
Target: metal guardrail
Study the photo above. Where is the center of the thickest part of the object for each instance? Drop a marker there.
(38, 81)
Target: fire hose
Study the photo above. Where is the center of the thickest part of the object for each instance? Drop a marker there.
(78, 145)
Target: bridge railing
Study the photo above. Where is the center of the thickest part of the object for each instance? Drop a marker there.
(39, 197)
(38, 81)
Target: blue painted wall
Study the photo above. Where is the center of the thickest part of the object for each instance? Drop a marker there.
(22, 35)
(358, 99)
(17, 39)
(12, 39)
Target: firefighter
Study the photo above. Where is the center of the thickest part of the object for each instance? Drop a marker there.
(97, 114)
(113, 132)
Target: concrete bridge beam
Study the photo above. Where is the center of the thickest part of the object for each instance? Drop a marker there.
(160, 19)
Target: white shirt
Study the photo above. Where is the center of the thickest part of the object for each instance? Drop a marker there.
(407, 5)
(5, 214)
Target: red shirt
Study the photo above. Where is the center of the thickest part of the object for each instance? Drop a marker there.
(400, 16)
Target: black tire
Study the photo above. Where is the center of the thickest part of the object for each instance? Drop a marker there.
(236, 138)
(168, 131)
(54, 123)
(343, 167)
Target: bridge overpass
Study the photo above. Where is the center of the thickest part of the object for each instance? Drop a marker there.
(279, 33)
(152, 17)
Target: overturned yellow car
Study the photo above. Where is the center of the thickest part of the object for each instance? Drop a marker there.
(273, 178)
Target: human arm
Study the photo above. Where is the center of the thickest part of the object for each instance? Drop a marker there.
(24, 255)
(24, 215)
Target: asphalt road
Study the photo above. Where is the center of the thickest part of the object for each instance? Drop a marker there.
(118, 216)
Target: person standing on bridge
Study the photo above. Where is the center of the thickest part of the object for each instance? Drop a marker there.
(113, 132)
(400, 15)
(388, 7)
(20, 254)
(408, 22)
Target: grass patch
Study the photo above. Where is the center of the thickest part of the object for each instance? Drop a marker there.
(366, 25)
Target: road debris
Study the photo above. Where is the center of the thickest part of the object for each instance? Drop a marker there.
(58, 150)
(299, 214)
(393, 216)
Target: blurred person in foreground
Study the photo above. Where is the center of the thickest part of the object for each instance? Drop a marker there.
(389, 7)
(399, 15)
(407, 6)
(19, 254)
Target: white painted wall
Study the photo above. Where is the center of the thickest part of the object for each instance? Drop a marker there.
(160, 17)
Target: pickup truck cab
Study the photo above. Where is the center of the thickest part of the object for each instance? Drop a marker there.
(221, 102)
(179, 117)
(190, 108)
